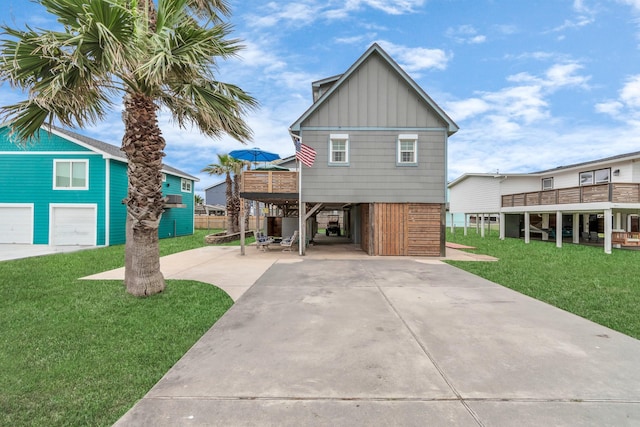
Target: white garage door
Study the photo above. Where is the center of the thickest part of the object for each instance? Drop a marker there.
(73, 225)
(16, 223)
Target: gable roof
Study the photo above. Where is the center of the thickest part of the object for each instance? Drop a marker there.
(108, 151)
(340, 79)
(626, 156)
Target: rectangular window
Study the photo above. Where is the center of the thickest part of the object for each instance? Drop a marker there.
(164, 177)
(603, 176)
(339, 149)
(407, 149)
(586, 178)
(547, 183)
(185, 185)
(600, 176)
(70, 174)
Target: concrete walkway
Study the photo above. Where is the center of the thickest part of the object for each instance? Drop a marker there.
(371, 341)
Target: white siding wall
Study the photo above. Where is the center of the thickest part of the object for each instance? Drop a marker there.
(520, 184)
(476, 194)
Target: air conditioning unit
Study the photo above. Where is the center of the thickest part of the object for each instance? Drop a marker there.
(174, 199)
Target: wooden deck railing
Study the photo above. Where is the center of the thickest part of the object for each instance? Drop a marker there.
(612, 192)
(280, 182)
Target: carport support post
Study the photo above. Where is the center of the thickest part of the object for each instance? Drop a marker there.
(453, 226)
(502, 226)
(527, 224)
(608, 219)
(482, 226)
(576, 228)
(558, 229)
(466, 217)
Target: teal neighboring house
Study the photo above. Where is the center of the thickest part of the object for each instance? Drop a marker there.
(68, 189)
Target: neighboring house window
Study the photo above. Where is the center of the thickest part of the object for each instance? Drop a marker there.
(407, 149)
(164, 177)
(185, 185)
(339, 149)
(70, 174)
(586, 178)
(600, 176)
(603, 176)
(547, 183)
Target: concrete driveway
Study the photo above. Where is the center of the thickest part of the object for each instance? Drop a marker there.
(386, 342)
(17, 251)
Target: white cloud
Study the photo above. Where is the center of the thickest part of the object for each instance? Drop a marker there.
(465, 34)
(414, 59)
(630, 93)
(525, 102)
(627, 107)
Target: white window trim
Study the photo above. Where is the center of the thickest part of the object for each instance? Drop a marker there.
(184, 181)
(55, 168)
(345, 137)
(405, 137)
(164, 177)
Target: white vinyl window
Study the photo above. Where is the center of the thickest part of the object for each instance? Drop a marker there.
(164, 177)
(600, 176)
(547, 183)
(185, 185)
(407, 149)
(70, 174)
(339, 149)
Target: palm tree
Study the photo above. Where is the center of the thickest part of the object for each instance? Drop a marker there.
(154, 57)
(226, 166)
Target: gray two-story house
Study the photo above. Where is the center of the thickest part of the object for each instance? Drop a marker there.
(381, 156)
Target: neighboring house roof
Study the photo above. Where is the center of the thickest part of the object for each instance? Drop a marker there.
(107, 150)
(483, 175)
(375, 48)
(627, 156)
(215, 185)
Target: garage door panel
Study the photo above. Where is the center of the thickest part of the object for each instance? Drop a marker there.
(73, 225)
(16, 224)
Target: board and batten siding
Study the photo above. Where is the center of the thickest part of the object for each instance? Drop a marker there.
(375, 95)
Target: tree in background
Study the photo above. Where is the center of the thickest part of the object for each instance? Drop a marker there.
(229, 166)
(154, 55)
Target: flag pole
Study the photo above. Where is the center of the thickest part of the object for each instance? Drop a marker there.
(301, 214)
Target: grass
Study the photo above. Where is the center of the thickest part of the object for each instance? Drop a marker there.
(577, 278)
(76, 352)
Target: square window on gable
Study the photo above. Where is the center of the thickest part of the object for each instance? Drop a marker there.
(185, 185)
(407, 149)
(70, 174)
(339, 149)
(547, 183)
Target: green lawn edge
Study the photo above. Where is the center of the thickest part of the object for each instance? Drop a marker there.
(82, 352)
(581, 279)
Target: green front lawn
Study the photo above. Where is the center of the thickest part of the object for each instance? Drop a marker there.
(578, 278)
(77, 352)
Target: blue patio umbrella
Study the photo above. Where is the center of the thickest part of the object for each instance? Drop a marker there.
(254, 155)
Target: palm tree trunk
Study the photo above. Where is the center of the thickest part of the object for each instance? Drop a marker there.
(230, 209)
(143, 144)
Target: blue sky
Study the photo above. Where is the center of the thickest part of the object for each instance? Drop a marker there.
(533, 84)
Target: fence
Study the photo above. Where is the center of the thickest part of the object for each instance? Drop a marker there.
(212, 222)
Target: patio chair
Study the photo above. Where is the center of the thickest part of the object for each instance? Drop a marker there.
(585, 236)
(288, 242)
(262, 241)
(593, 236)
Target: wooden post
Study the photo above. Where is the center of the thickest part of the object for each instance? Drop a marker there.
(527, 225)
(502, 226)
(608, 218)
(558, 229)
(241, 226)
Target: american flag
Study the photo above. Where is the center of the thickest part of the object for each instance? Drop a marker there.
(304, 153)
